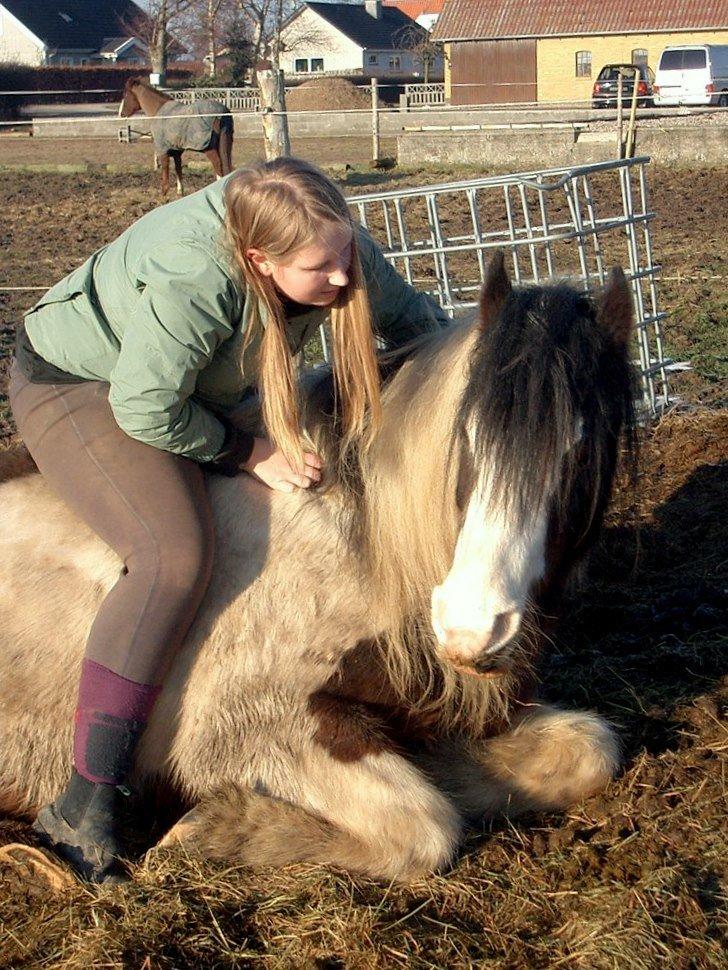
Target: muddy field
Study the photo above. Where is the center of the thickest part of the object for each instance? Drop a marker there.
(632, 878)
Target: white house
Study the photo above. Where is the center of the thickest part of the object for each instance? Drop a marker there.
(365, 38)
(38, 32)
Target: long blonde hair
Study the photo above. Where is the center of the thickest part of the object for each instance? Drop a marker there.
(279, 207)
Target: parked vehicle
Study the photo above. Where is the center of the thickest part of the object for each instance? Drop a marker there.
(692, 75)
(604, 92)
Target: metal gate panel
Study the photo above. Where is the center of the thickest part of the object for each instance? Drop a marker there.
(572, 223)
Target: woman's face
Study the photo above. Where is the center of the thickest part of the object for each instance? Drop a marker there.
(315, 274)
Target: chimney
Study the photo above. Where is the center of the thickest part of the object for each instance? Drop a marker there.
(373, 8)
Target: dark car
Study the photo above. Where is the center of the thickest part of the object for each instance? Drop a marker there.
(604, 92)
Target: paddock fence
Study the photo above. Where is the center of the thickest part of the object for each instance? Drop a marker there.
(558, 223)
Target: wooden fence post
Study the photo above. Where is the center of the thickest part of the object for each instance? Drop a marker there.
(273, 110)
(375, 120)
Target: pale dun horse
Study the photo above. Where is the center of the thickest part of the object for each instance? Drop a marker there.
(204, 126)
(358, 686)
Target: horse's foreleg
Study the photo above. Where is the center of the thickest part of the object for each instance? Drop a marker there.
(178, 171)
(377, 816)
(226, 149)
(240, 825)
(550, 760)
(165, 174)
(213, 155)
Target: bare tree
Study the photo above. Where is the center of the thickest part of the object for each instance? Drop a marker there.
(153, 29)
(256, 14)
(205, 26)
(424, 51)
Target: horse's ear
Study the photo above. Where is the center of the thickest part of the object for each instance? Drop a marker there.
(496, 288)
(614, 308)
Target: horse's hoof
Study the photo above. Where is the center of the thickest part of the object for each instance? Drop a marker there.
(32, 863)
(181, 832)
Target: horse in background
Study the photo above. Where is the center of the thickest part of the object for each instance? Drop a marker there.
(204, 126)
(358, 685)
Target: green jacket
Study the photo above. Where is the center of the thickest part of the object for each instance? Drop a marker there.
(160, 314)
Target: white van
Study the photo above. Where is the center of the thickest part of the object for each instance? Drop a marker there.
(692, 75)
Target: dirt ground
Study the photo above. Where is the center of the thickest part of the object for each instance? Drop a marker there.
(632, 878)
(137, 157)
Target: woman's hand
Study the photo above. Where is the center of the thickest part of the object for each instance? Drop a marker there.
(270, 466)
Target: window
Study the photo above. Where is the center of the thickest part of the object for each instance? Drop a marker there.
(317, 63)
(394, 63)
(671, 60)
(693, 59)
(583, 63)
(301, 65)
(373, 59)
(639, 57)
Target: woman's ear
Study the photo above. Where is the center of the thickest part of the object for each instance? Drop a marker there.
(260, 261)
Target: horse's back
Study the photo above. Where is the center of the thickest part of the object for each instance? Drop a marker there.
(179, 127)
(15, 462)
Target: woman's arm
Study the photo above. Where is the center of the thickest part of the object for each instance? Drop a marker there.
(187, 308)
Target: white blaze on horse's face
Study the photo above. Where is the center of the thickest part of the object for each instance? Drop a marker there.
(478, 608)
(477, 611)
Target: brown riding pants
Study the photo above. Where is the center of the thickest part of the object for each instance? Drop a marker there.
(151, 507)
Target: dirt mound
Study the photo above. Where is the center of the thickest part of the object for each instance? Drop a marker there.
(327, 94)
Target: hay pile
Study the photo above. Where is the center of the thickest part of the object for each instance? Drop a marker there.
(327, 94)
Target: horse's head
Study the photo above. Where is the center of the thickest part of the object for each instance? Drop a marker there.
(130, 102)
(548, 393)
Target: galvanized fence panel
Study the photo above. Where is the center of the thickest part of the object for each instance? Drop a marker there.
(559, 223)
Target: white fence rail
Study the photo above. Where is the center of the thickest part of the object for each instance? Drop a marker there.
(237, 99)
(421, 95)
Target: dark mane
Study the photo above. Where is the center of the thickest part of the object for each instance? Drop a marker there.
(542, 365)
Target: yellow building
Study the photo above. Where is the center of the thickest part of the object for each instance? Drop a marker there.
(501, 51)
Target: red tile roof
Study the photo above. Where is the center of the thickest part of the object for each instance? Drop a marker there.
(493, 19)
(415, 8)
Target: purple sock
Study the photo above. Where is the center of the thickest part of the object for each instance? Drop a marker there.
(110, 716)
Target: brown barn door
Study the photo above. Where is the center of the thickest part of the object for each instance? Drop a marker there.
(493, 71)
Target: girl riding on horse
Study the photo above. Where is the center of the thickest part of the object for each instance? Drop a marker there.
(124, 389)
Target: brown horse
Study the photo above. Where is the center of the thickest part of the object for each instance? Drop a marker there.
(205, 126)
(358, 684)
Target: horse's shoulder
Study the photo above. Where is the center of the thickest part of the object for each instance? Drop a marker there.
(15, 461)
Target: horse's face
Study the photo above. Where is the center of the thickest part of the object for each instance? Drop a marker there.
(499, 559)
(129, 103)
(530, 483)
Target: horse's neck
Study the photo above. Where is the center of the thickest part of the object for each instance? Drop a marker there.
(150, 100)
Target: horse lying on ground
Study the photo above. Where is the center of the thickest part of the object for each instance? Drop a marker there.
(358, 685)
(204, 126)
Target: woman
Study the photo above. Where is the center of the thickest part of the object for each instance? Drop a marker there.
(125, 376)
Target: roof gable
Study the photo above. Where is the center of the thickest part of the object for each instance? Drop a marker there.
(493, 19)
(75, 24)
(354, 22)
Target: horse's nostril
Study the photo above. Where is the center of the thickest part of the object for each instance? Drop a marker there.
(505, 626)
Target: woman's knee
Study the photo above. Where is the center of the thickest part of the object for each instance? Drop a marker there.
(180, 563)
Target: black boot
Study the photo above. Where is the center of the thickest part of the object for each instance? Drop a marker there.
(80, 827)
